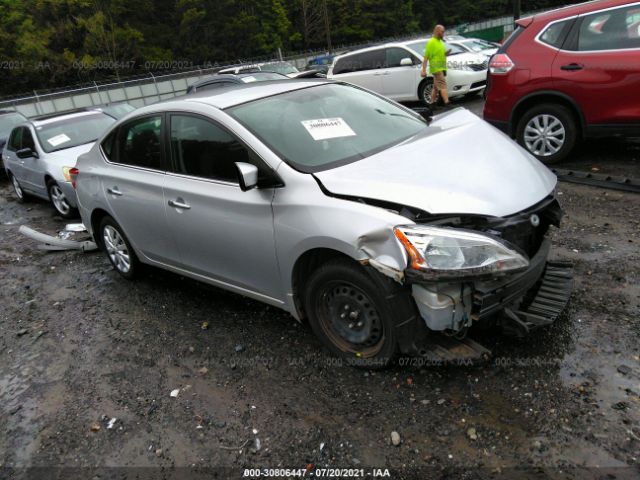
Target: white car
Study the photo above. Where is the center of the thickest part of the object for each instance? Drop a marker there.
(474, 45)
(393, 70)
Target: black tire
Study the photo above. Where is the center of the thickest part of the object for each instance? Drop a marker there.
(424, 91)
(108, 242)
(567, 121)
(17, 189)
(339, 297)
(59, 201)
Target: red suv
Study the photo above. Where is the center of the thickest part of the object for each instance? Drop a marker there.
(566, 75)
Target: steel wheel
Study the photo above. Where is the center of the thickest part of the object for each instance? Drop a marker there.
(544, 135)
(350, 319)
(17, 188)
(59, 200)
(117, 249)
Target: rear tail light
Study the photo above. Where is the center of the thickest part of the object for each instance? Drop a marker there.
(73, 173)
(501, 64)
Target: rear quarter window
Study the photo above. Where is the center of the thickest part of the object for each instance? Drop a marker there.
(555, 33)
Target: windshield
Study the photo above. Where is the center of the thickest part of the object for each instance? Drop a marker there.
(262, 77)
(325, 126)
(70, 132)
(8, 121)
(118, 111)
(418, 47)
(284, 68)
(478, 45)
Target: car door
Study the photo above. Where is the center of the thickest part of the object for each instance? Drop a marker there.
(223, 233)
(133, 183)
(364, 69)
(33, 167)
(400, 82)
(599, 66)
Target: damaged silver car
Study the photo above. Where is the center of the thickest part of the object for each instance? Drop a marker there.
(383, 229)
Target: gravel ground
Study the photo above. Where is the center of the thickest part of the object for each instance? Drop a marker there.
(80, 346)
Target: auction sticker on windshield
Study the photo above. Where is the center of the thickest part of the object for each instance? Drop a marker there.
(324, 128)
(58, 140)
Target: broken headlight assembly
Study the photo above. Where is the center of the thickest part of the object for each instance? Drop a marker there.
(437, 253)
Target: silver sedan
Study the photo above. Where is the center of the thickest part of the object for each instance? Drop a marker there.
(378, 227)
(40, 154)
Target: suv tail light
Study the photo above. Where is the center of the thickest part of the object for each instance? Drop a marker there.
(73, 173)
(501, 64)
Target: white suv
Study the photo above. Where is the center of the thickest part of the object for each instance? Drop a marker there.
(393, 70)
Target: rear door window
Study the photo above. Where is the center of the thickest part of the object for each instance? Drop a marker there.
(617, 29)
(361, 62)
(136, 143)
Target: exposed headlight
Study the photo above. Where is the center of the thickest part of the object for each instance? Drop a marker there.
(440, 253)
(66, 174)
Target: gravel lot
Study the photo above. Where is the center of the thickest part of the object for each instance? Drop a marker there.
(79, 346)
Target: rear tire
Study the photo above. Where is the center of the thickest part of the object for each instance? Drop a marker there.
(17, 188)
(59, 201)
(118, 249)
(548, 131)
(348, 311)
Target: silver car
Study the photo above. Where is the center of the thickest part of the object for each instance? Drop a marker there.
(335, 204)
(40, 153)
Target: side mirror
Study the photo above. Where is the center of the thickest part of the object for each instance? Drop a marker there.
(406, 62)
(248, 175)
(26, 153)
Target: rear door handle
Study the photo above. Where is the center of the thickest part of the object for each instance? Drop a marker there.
(114, 191)
(572, 67)
(179, 204)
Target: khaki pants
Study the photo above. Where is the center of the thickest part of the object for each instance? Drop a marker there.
(439, 81)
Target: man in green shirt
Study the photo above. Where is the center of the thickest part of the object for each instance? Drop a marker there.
(436, 55)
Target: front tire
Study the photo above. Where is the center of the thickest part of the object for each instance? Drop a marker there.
(424, 91)
(548, 131)
(59, 201)
(347, 311)
(118, 249)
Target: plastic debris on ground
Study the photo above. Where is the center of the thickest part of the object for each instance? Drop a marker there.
(82, 240)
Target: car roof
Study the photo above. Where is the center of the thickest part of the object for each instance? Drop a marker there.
(225, 98)
(381, 45)
(573, 10)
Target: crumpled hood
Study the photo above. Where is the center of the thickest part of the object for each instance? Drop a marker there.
(460, 164)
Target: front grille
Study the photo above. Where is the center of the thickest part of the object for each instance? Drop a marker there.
(523, 231)
(478, 84)
(479, 66)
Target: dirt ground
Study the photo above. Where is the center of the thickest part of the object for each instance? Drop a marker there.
(79, 346)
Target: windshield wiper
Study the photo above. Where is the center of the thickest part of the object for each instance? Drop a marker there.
(394, 114)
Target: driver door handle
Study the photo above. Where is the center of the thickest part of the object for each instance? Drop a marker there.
(572, 67)
(179, 204)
